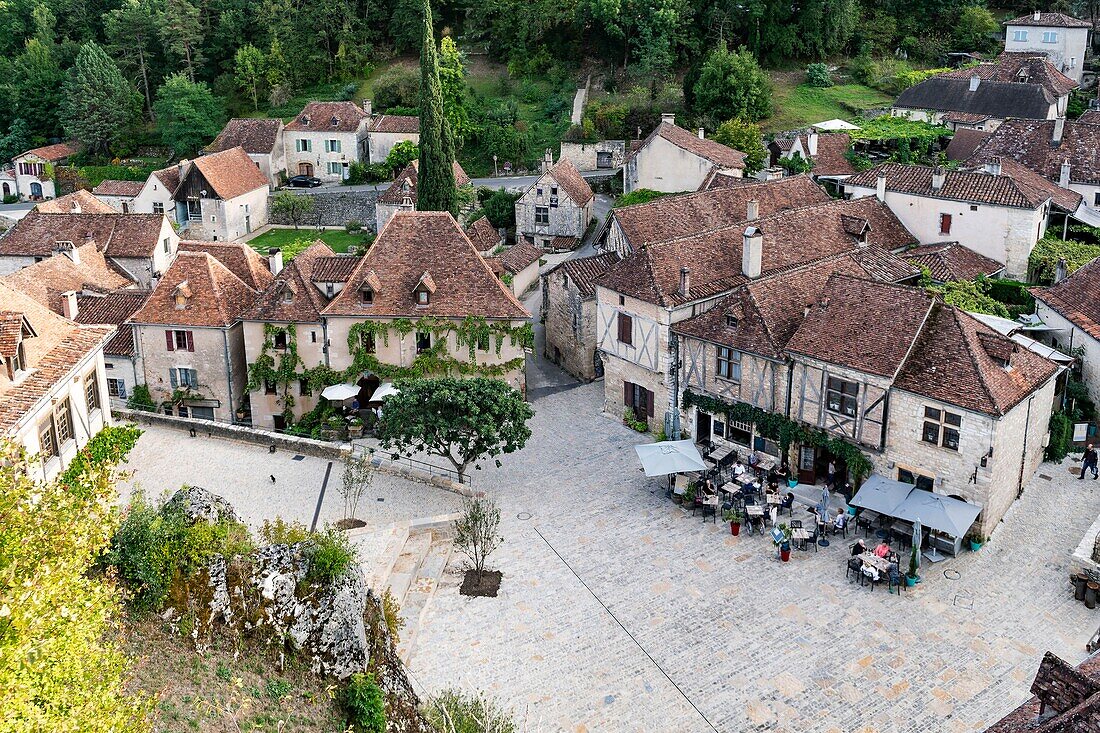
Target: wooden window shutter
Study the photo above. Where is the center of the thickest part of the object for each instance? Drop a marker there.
(172, 378)
(648, 402)
(170, 340)
(945, 223)
(628, 394)
(190, 341)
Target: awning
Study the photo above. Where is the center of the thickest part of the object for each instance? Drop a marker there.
(881, 494)
(386, 389)
(831, 125)
(671, 456)
(937, 511)
(340, 392)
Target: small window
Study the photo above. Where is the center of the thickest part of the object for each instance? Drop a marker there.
(91, 391)
(47, 439)
(840, 396)
(158, 207)
(542, 215)
(116, 388)
(1096, 200)
(729, 364)
(304, 390)
(63, 418)
(367, 296)
(269, 386)
(313, 336)
(941, 428)
(335, 168)
(280, 339)
(626, 329)
(622, 300)
(288, 295)
(367, 341)
(538, 191)
(945, 223)
(973, 207)
(1019, 36)
(422, 297)
(731, 320)
(1050, 37)
(423, 341)
(183, 341)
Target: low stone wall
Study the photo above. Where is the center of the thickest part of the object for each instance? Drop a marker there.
(335, 209)
(292, 444)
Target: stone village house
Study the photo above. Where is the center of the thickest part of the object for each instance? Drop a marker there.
(555, 211)
(1071, 308)
(325, 139)
(1062, 39)
(673, 159)
(30, 176)
(401, 194)
(569, 314)
(222, 196)
(261, 139)
(388, 130)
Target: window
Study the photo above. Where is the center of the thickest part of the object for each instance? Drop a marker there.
(19, 361)
(729, 364)
(941, 428)
(639, 398)
(1096, 200)
(116, 388)
(335, 168)
(303, 145)
(626, 329)
(366, 340)
(920, 480)
(1019, 36)
(47, 439)
(313, 336)
(554, 197)
(304, 390)
(945, 223)
(179, 340)
(542, 215)
(63, 420)
(973, 207)
(280, 338)
(332, 146)
(483, 341)
(840, 396)
(269, 386)
(183, 377)
(167, 244)
(158, 207)
(367, 296)
(422, 297)
(423, 341)
(538, 192)
(1050, 36)
(622, 300)
(91, 391)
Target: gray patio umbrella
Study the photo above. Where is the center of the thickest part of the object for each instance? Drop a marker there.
(917, 539)
(670, 456)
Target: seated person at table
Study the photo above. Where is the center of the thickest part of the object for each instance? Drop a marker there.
(754, 459)
(883, 549)
(859, 548)
(708, 487)
(895, 573)
(738, 469)
(840, 521)
(788, 501)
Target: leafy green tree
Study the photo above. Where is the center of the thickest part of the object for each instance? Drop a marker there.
(406, 25)
(61, 662)
(461, 420)
(248, 66)
(18, 139)
(401, 154)
(970, 295)
(292, 206)
(500, 208)
(452, 81)
(131, 32)
(477, 531)
(188, 114)
(655, 40)
(436, 189)
(638, 196)
(975, 29)
(398, 86)
(99, 104)
(746, 137)
(36, 85)
(277, 72)
(732, 84)
(181, 32)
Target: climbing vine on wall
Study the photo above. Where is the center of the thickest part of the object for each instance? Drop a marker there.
(784, 430)
(278, 366)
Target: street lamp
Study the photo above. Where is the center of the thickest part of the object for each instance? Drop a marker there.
(495, 173)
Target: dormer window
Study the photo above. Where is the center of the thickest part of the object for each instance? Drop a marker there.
(367, 296)
(288, 295)
(422, 297)
(731, 320)
(334, 122)
(424, 289)
(181, 294)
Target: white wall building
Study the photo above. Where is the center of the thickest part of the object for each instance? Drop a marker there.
(673, 159)
(31, 173)
(1064, 39)
(223, 196)
(325, 139)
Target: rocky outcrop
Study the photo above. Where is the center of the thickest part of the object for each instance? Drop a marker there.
(198, 504)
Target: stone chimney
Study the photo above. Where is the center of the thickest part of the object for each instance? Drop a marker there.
(975, 80)
(811, 143)
(993, 167)
(938, 177)
(753, 210)
(69, 308)
(752, 252)
(1061, 270)
(1063, 175)
(702, 134)
(685, 282)
(368, 107)
(1037, 15)
(68, 249)
(275, 260)
(1059, 128)
(75, 207)
(547, 160)
(880, 186)
(668, 117)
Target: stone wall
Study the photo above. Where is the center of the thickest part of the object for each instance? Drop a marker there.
(570, 323)
(335, 209)
(584, 155)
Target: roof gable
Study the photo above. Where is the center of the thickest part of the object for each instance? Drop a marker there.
(406, 181)
(230, 173)
(571, 181)
(197, 290)
(243, 261)
(116, 235)
(79, 202)
(709, 150)
(255, 135)
(952, 261)
(328, 117)
(306, 301)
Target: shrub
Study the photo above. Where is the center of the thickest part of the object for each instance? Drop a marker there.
(364, 704)
(281, 532)
(500, 208)
(353, 226)
(399, 86)
(12, 198)
(818, 75)
(391, 613)
(1061, 436)
(1044, 257)
(330, 555)
(347, 92)
(638, 196)
(454, 711)
(141, 399)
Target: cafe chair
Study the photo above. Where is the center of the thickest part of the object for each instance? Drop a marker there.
(855, 565)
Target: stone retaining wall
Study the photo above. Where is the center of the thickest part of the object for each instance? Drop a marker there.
(335, 209)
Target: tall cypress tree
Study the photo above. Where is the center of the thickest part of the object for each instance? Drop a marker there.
(435, 188)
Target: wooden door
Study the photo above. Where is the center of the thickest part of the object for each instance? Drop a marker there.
(702, 426)
(305, 169)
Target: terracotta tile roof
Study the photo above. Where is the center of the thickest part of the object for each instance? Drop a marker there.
(256, 136)
(1091, 117)
(118, 188)
(964, 143)
(718, 179)
(333, 268)
(1001, 99)
(12, 325)
(305, 301)
(217, 296)
(585, 271)
(395, 123)
(57, 151)
(955, 361)
(1029, 180)
(116, 235)
(59, 345)
(1016, 66)
(45, 281)
(571, 181)
(1077, 298)
(418, 243)
(669, 217)
(952, 261)
(882, 264)
(716, 153)
(169, 177)
(230, 173)
(396, 191)
(243, 261)
(1030, 142)
(965, 118)
(831, 147)
(790, 238)
(67, 204)
(840, 318)
(1049, 20)
(113, 309)
(484, 235)
(517, 257)
(762, 315)
(970, 186)
(1071, 694)
(494, 265)
(319, 116)
(560, 242)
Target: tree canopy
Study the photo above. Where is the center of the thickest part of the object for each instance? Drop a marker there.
(435, 188)
(732, 84)
(189, 114)
(99, 104)
(746, 137)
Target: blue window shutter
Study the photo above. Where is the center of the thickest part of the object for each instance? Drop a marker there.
(193, 378)
(122, 389)
(172, 378)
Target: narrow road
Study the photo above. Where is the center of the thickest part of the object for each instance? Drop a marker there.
(512, 183)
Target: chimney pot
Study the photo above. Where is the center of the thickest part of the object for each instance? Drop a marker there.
(753, 211)
(752, 246)
(275, 260)
(1059, 128)
(685, 281)
(1037, 15)
(1060, 270)
(994, 166)
(1063, 174)
(702, 133)
(880, 186)
(975, 80)
(368, 107)
(69, 308)
(939, 175)
(668, 117)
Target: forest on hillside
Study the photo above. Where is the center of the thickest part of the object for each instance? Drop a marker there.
(117, 75)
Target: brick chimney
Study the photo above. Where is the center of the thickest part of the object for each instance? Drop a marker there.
(368, 107)
(993, 167)
(1063, 174)
(752, 252)
(753, 210)
(685, 282)
(547, 160)
(275, 260)
(939, 175)
(69, 308)
(702, 133)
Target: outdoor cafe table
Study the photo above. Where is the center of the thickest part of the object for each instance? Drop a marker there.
(881, 564)
(720, 453)
(800, 534)
(754, 510)
(773, 498)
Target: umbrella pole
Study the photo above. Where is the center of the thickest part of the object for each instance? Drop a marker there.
(934, 555)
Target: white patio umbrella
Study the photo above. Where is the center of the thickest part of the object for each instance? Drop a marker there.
(386, 389)
(340, 392)
(670, 456)
(832, 125)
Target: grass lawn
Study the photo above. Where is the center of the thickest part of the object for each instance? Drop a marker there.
(799, 105)
(338, 239)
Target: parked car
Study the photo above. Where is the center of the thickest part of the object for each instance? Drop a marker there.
(304, 182)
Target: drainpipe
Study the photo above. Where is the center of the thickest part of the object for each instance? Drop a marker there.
(1023, 455)
(1065, 226)
(324, 339)
(672, 418)
(787, 412)
(229, 374)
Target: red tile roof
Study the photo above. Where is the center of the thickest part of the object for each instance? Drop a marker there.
(76, 202)
(484, 235)
(571, 181)
(256, 135)
(113, 309)
(333, 268)
(970, 186)
(55, 152)
(216, 299)
(415, 244)
(396, 191)
(395, 123)
(831, 147)
(710, 150)
(1091, 117)
(518, 257)
(118, 188)
(319, 117)
(243, 261)
(964, 143)
(1019, 66)
(1030, 142)
(230, 173)
(1077, 298)
(952, 261)
(586, 271)
(1049, 20)
(45, 281)
(116, 235)
(1070, 696)
(169, 177)
(304, 302)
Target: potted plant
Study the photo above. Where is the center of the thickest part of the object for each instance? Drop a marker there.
(689, 494)
(976, 541)
(784, 542)
(332, 428)
(735, 518)
(911, 577)
(355, 428)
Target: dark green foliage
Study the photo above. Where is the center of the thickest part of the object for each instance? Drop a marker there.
(110, 446)
(99, 104)
(436, 189)
(36, 82)
(796, 164)
(188, 114)
(1015, 295)
(818, 75)
(401, 155)
(732, 84)
(330, 555)
(365, 704)
(746, 137)
(397, 87)
(1061, 437)
(500, 208)
(638, 196)
(17, 140)
(141, 399)
(359, 173)
(1043, 260)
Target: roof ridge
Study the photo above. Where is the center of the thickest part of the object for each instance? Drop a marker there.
(955, 312)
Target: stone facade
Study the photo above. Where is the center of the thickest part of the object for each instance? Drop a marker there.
(594, 156)
(1068, 335)
(336, 208)
(226, 221)
(570, 323)
(327, 155)
(381, 143)
(267, 406)
(565, 218)
(1065, 49)
(662, 166)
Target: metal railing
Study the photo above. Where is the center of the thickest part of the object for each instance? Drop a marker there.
(377, 456)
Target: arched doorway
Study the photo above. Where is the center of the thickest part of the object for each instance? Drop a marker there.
(7, 190)
(305, 169)
(36, 190)
(367, 385)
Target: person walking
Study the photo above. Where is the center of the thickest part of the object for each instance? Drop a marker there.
(1089, 462)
